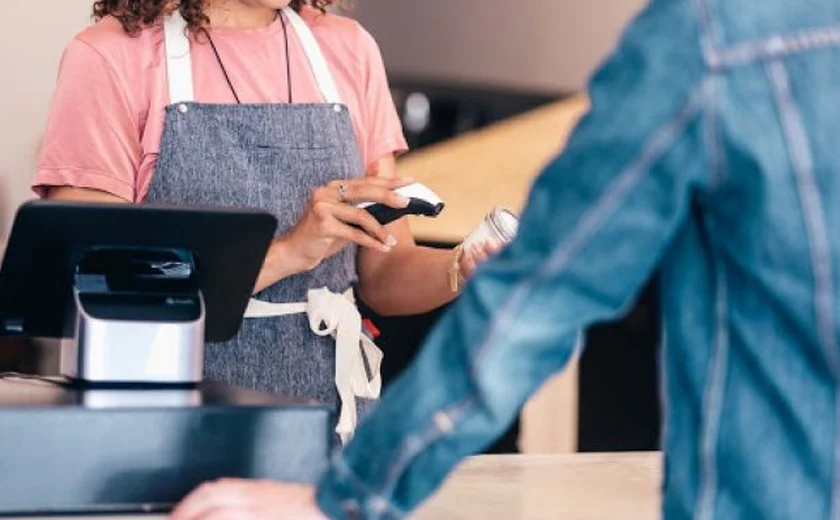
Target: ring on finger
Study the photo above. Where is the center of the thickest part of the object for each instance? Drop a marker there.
(342, 192)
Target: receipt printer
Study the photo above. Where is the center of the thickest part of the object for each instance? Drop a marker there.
(139, 317)
(130, 426)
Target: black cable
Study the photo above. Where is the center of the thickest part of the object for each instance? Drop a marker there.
(222, 65)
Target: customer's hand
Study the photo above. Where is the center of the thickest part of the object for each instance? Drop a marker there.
(249, 500)
(326, 226)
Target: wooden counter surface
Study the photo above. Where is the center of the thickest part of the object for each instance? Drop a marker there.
(492, 166)
(543, 487)
(522, 487)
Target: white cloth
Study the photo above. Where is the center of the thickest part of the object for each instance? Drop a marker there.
(336, 315)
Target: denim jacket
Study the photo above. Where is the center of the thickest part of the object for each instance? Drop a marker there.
(711, 152)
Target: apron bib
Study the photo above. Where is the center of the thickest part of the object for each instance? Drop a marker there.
(271, 157)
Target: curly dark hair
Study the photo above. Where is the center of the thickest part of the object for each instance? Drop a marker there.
(135, 14)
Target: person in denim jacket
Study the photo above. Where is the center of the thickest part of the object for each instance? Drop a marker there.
(712, 153)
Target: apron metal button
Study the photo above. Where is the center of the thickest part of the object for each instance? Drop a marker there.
(182, 108)
(337, 108)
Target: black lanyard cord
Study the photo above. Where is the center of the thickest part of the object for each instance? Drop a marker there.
(227, 76)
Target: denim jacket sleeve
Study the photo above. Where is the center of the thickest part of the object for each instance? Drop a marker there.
(598, 220)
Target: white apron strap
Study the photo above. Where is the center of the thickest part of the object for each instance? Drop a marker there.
(178, 60)
(336, 315)
(316, 58)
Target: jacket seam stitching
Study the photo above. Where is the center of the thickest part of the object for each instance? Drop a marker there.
(713, 402)
(414, 445)
(816, 232)
(350, 477)
(767, 49)
(593, 219)
(709, 32)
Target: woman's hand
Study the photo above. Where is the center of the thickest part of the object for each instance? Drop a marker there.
(249, 500)
(331, 221)
(477, 255)
(327, 224)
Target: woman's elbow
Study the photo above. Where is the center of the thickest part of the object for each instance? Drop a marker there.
(378, 302)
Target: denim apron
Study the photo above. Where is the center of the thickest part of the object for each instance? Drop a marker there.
(302, 337)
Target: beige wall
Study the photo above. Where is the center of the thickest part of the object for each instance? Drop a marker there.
(549, 45)
(30, 48)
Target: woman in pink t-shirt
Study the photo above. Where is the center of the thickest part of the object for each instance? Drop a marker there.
(255, 103)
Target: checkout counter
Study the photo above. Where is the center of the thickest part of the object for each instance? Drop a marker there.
(520, 487)
(251, 433)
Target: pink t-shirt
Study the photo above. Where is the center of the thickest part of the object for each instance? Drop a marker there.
(107, 116)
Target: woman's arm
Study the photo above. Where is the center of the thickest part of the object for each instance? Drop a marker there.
(410, 279)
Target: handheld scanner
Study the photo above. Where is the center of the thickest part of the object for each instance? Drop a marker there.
(422, 201)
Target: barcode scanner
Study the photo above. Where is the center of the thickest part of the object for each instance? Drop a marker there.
(421, 201)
